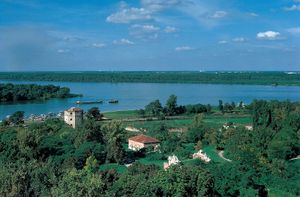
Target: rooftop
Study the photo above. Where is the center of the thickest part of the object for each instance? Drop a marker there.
(74, 109)
(144, 139)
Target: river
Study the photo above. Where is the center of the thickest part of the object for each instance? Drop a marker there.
(137, 95)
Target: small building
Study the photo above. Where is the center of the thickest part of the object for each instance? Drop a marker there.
(201, 155)
(73, 116)
(138, 142)
(172, 160)
(132, 129)
(249, 127)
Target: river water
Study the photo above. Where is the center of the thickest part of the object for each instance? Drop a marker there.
(137, 95)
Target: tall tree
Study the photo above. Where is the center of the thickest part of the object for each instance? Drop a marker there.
(171, 105)
(94, 114)
(221, 107)
(114, 148)
(17, 118)
(154, 108)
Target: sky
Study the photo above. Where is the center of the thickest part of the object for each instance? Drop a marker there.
(160, 35)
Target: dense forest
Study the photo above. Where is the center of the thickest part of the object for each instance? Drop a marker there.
(28, 92)
(262, 78)
(51, 159)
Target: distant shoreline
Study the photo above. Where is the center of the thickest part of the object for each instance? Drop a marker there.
(185, 77)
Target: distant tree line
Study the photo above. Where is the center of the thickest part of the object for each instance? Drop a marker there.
(28, 92)
(262, 78)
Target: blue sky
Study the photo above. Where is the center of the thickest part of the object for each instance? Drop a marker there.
(111, 35)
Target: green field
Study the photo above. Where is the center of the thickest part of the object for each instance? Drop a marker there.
(217, 120)
(150, 125)
(119, 115)
(213, 120)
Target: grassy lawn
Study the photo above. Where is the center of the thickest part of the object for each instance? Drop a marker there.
(117, 167)
(121, 114)
(211, 121)
(192, 162)
(213, 154)
(218, 121)
(148, 125)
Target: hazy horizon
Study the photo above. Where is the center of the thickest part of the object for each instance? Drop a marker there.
(208, 71)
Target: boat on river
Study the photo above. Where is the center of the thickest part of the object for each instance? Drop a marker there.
(88, 102)
(113, 101)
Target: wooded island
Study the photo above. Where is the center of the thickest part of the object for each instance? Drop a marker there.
(29, 92)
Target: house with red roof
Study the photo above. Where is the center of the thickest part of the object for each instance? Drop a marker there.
(138, 142)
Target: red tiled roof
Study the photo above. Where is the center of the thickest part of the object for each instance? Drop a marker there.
(143, 139)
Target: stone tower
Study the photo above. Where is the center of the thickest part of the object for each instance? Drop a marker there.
(73, 116)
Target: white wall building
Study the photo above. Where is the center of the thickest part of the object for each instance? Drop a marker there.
(73, 117)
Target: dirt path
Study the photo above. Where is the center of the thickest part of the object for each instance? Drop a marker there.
(298, 157)
(221, 154)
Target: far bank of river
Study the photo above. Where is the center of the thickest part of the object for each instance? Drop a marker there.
(137, 95)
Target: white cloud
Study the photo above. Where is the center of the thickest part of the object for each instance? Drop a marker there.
(203, 12)
(223, 42)
(123, 41)
(144, 32)
(184, 48)
(268, 35)
(146, 28)
(253, 14)
(129, 15)
(149, 7)
(239, 39)
(292, 8)
(63, 51)
(170, 29)
(99, 45)
(219, 14)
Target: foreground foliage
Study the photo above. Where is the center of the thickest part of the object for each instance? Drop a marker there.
(52, 159)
